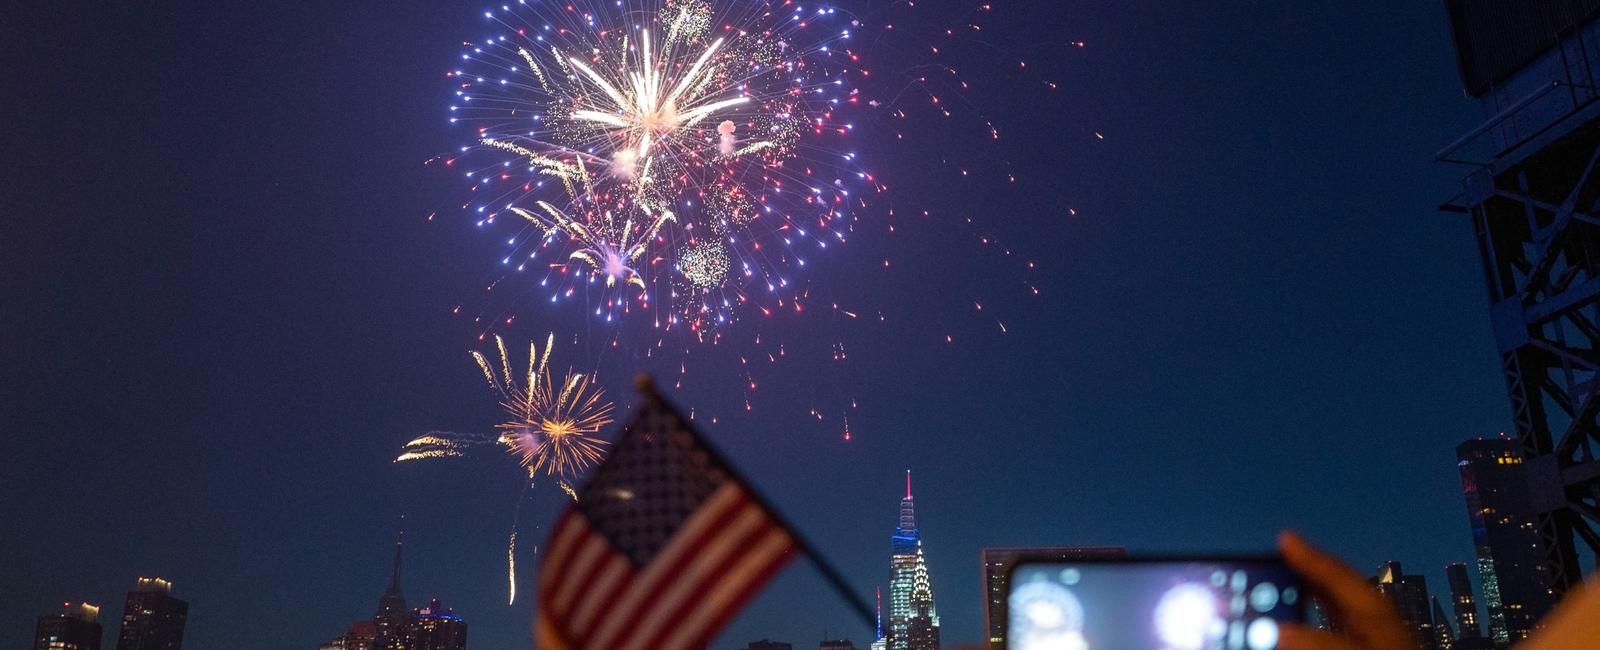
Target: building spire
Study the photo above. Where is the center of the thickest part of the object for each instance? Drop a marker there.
(390, 619)
(908, 482)
(399, 545)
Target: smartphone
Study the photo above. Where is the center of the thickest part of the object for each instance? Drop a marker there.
(1156, 603)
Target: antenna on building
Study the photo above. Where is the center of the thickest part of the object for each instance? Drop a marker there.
(908, 482)
(399, 545)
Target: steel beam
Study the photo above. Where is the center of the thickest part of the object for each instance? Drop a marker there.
(1533, 213)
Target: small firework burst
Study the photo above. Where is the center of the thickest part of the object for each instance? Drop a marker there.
(553, 428)
(729, 206)
(704, 264)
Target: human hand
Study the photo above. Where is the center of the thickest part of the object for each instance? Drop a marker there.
(1367, 620)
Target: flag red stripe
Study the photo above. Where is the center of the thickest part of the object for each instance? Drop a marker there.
(577, 572)
(616, 574)
(570, 525)
(713, 516)
(665, 570)
(710, 564)
(729, 597)
(547, 635)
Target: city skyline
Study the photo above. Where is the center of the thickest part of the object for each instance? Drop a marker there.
(913, 620)
(237, 310)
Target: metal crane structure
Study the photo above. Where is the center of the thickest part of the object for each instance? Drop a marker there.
(1533, 195)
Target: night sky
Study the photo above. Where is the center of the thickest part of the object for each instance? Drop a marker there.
(223, 310)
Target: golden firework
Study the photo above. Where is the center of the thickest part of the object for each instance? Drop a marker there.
(553, 427)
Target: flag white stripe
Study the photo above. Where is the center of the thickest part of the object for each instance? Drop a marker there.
(747, 568)
(615, 569)
(560, 545)
(707, 567)
(623, 617)
(592, 551)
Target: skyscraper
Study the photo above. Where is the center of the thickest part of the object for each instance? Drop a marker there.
(435, 627)
(1462, 602)
(913, 620)
(1409, 593)
(1506, 534)
(1443, 637)
(997, 563)
(77, 627)
(152, 619)
(390, 620)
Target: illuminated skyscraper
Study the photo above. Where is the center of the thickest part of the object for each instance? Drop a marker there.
(390, 619)
(1409, 593)
(435, 627)
(913, 619)
(1443, 636)
(77, 627)
(1506, 534)
(152, 618)
(997, 563)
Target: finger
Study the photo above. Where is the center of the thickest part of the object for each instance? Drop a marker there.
(1350, 595)
(1574, 622)
(1299, 637)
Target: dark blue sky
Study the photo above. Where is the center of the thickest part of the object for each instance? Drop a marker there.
(224, 311)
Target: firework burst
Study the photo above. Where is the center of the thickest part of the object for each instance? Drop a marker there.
(689, 153)
(552, 428)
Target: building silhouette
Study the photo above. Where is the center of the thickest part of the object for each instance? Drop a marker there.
(767, 644)
(389, 621)
(362, 635)
(435, 627)
(392, 627)
(77, 627)
(997, 563)
(152, 619)
(1505, 534)
(1462, 602)
(1409, 594)
(913, 619)
(837, 644)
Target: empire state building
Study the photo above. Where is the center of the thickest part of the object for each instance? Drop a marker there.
(913, 620)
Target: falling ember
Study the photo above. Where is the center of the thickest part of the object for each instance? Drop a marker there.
(511, 568)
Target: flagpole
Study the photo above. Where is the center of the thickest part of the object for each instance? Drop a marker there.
(647, 387)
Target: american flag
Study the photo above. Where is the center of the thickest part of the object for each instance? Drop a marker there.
(664, 545)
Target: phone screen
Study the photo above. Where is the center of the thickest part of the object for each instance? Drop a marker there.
(1151, 605)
